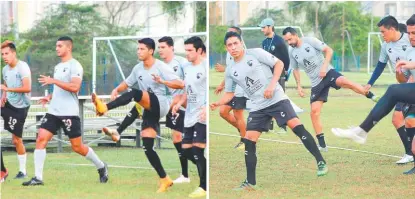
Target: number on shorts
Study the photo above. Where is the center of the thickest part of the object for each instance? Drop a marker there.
(68, 124)
(174, 118)
(12, 122)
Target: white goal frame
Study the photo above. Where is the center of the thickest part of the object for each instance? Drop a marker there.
(369, 64)
(109, 39)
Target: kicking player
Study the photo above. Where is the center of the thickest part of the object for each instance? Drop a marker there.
(194, 140)
(396, 93)
(175, 123)
(238, 102)
(314, 57)
(15, 101)
(250, 70)
(394, 49)
(154, 79)
(63, 112)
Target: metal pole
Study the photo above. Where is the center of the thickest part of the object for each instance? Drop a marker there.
(116, 59)
(94, 65)
(351, 47)
(343, 50)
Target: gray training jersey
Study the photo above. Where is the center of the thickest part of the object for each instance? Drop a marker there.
(238, 90)
(14, 79)
(177, 64)
(195, 85)
(309, 57)
(411, 57)
(144, 79)
(395, 51)
(253, 75)
(65, 103)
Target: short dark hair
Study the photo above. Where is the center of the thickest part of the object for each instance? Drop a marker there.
(388, 22)
(197, 43)
(402, 28)
(169, 41)
(289, 30)
(65, 38)
(9, 44)
(411, 21)
(231, 34)
(150, 44)
(238, 30)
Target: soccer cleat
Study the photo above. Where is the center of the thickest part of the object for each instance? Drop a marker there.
(165, 183)
(3, 175)
(181, 179)
(103, 173)
(139, 109)
(322, 169)
(323, 149)
(33, 182)
(245, 186)
(199, 192)
(100, 107)
(240, 146)
(356, 134)
(410, 172)
(405, 159)
(113, 133)
(20, 175)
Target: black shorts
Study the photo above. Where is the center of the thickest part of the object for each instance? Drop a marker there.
(238, 103)
(321, 91)
(175, 122)
(260, 120)
(195, 134)
(151, 118)
(14, 119)
(71, 125)
(399, 106)
(408, 110)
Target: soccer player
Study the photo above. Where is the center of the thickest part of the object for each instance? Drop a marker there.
(155, 80)
(166, 52)
(394, 49)
(194, 140)
(4, 172)
(63, 112)
(15, 101)
(250, 70)
(238, 103)
(314, 57)
(396, 93)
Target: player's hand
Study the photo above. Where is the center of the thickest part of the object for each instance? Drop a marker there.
(219, 68)
(44, 100)
(405, 64)
(300, 91)
(114, 94)
(214, 106)
(175, 108)
(219, 89)
(269, 91)
(322, 74)
(45, 80)
(157, 79)
(3, 100)
(367, 88)
(4, 87)
(202, 115)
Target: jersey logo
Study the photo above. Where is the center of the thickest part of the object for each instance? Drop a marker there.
(5, 77)
(64, 69)
(175, 68)
(306, 63)
(249, 63)
(198, 75)
(397, 59)
(390, 50)
(296, 56)
(410, 59)
(404, 47)
(235, 74)
(189, 90)
(249, 81)
(272, 48)
(307, 49)
(282, 114)
(140, 78)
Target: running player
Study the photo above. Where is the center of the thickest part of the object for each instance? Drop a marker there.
(314, 57)
(63, 112)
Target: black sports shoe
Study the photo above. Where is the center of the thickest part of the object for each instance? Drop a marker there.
(33, 182)
(410, 172)
(20, 175)
(103, 173)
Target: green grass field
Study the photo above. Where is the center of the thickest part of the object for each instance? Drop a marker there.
(289, 171)
(63, 180)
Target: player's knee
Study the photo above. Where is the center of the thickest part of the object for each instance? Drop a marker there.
(315, 111)
(223, 112)
(17, 141)
(177, 137)
(77, 147)
(397, 122)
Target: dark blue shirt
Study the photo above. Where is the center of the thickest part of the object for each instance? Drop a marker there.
(277, 47)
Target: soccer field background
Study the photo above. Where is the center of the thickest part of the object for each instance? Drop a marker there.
(66, 176)
(288, 171)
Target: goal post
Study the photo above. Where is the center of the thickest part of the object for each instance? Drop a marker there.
(372, 36)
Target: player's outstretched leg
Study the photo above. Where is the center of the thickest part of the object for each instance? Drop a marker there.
(345, 83)
(124, 99)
